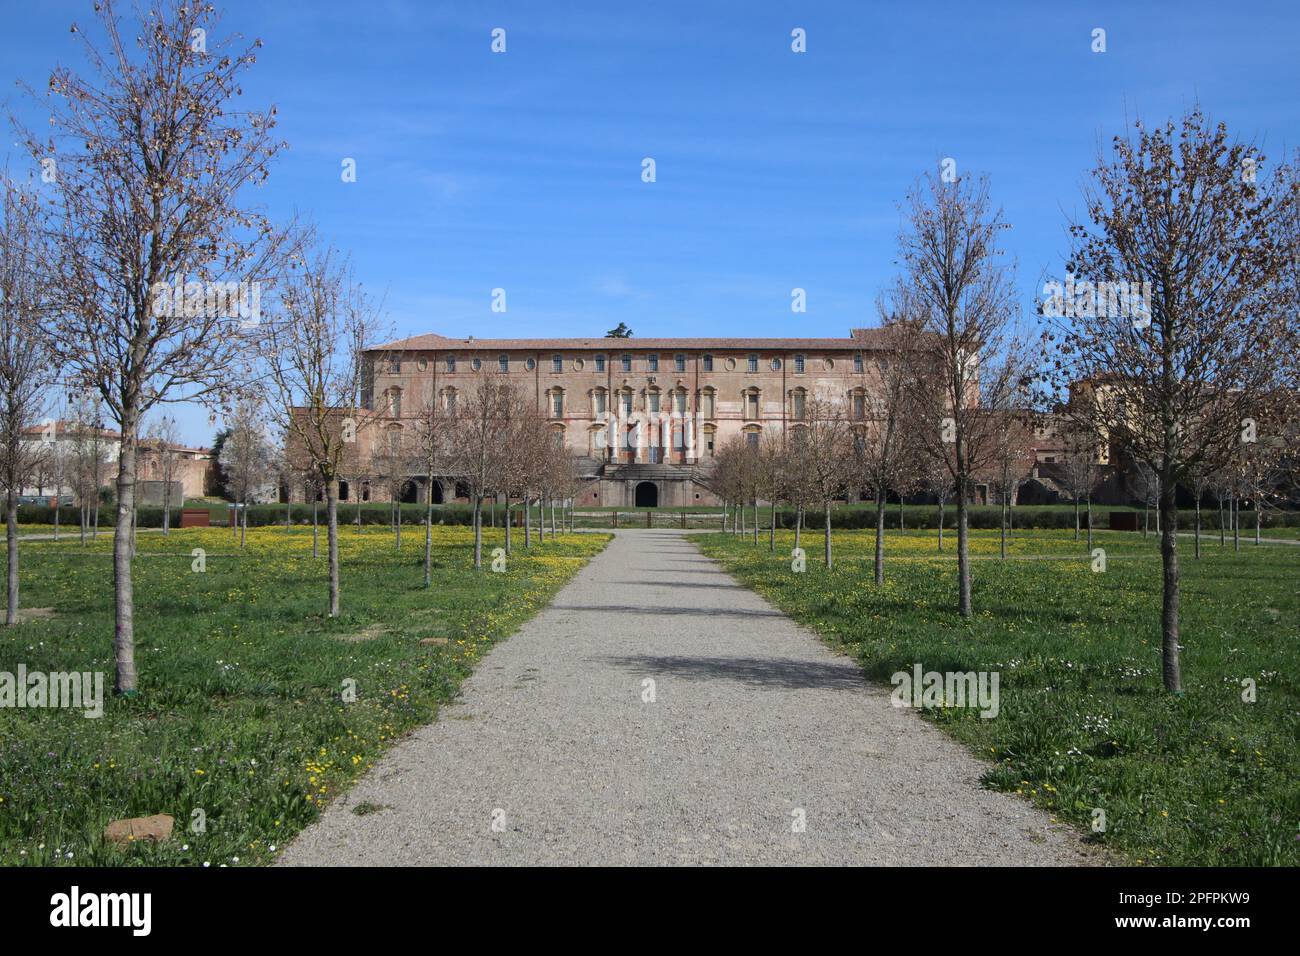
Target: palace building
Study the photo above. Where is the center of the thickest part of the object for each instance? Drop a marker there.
(644, 416)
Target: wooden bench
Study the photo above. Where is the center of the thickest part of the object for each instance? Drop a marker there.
(196, 518)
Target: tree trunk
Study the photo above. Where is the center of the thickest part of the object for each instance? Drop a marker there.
(528, 521)
(798, 524)
(123, 595)
(1198, 527)
(94, 530)
(243, 525)
(1173, 677)
(478, 531)
(332, 539)
(315, 531)
(827, 514)
(900, 514)
(1236, 523)
(963, 551)
(1257, 515)
(1089, 522)
(880, 537)
(1076, 518)
(771, 531)
(11, 549)
(167, 507)
(1002, 530)
(507, 524)
(941, 524)
(1223, 527)
(85, 519)
(58, 502)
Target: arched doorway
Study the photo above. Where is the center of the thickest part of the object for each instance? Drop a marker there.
(410, 493)
(647, 495)
(435, 492)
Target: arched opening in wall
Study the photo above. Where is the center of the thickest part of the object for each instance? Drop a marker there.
(365, 491)
(647, 495)
(435, 492)
(462, 490)
(343, 489)
(410, 493)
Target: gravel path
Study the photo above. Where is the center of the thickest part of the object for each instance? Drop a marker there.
(754, 725)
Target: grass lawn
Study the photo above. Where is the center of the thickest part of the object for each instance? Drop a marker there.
(1202, 780)
(241, 713)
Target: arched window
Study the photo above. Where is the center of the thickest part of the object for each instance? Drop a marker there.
(394, 440)
(652, 400)
(394, 402)
(557, 436)
(708, 402)
(679, 398)
(751, 434)
(798, 404)
(503, 363)
(557, 402)
(449, 400)
(751, 403)
(598, 401)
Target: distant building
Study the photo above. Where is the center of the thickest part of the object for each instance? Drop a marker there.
(645, 417)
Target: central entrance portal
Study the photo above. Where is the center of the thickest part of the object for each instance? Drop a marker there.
(647, 495)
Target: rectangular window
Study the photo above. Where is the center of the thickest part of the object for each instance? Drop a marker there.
(600, 363)
(451, 403)
(708, 363)
(679, 363)
(654, 401)
(503, 363)
(753, 363)
(681, 403)
(627, 363)
(393, 366)
(557, 404)
(798, 364)
(557, 363)
(751, 406)
(627, 403)
(451, 363)
(751, 439)
(600, 403)
(798, 406)
(857, 362)
(679, 438)
(652, 362)
(859, 405)
(706, 403)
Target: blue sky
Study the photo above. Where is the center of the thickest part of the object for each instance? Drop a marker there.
(775, 170)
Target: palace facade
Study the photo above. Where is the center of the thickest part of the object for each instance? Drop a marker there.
(644, 416)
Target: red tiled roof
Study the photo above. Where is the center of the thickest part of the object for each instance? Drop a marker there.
(861, 338)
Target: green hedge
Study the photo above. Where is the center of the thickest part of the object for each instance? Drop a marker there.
(926, 517)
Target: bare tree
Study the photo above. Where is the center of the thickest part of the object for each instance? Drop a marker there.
(247, 457)
(1186, 215)
(24, 358)
(164, 440)
(480, 443)
(1080, 472)
(432, 434)
(962, 294)
(823, 448)
(148, 163)
(884, 458)
(316, 366)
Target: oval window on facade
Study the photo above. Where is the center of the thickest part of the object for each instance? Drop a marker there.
(776, 365)
(579, 364)
(731, 365)
(477, 364)
(530, 364)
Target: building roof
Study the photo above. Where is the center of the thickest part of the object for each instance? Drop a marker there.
(858, 339)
